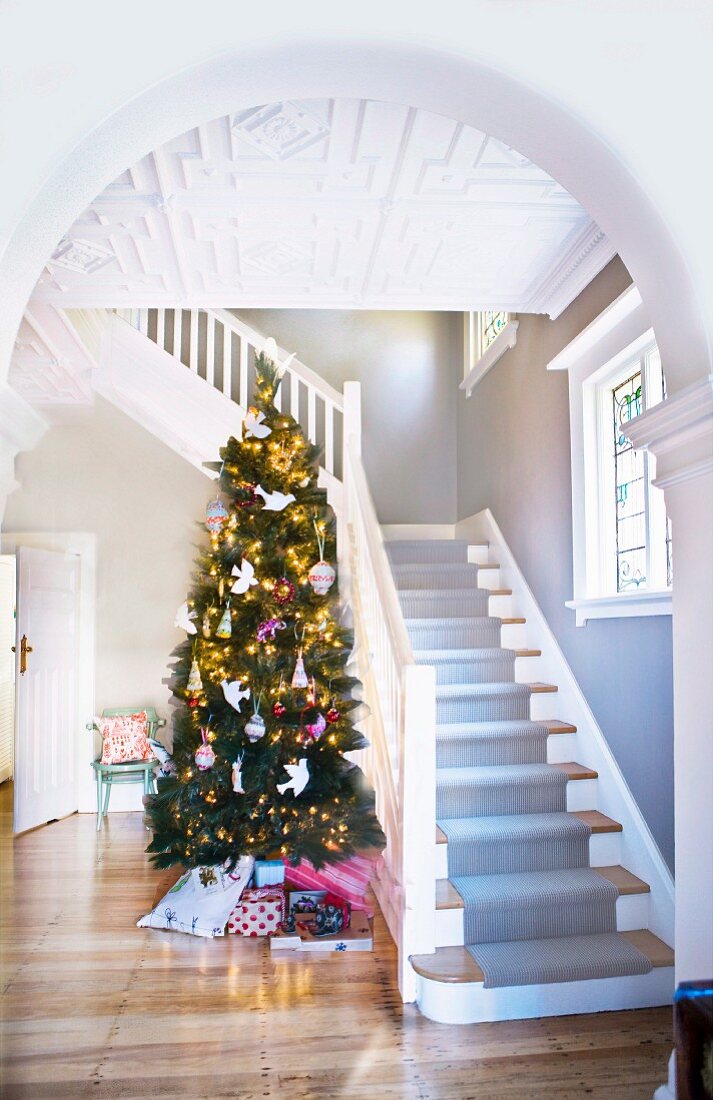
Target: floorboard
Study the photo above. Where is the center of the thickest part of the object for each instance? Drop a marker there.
(93, 1006)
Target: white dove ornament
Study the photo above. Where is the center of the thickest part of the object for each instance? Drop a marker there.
(274, 502)
(184, 619)
(234, 693)
(254, 427)
(246, 577)
(299, 777)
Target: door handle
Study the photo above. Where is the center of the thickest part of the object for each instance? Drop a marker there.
(24, 650)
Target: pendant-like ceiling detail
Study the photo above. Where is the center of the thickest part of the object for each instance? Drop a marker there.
(330, 203)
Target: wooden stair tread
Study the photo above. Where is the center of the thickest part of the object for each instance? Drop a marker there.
(657, 952)
(576, 771)
(447, 897)
(497, 591)
(512, 622)
(555, 726)
(539, 688)
(455, 965)
(488, 564)
(597, 822)
(625, 882)
(528, 652)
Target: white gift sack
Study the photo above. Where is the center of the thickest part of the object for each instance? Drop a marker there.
(190, 907)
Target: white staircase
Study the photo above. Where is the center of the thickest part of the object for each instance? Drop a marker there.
(187, 375)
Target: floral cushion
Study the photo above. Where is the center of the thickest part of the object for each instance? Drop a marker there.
(124, 738)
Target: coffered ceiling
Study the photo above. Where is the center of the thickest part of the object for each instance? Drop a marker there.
(330, 203)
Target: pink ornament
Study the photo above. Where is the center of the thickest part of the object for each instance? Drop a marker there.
(205, 757)
(283, 591)
(317, 728)
(266, 631)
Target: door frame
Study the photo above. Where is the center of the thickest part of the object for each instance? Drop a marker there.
(84, 545)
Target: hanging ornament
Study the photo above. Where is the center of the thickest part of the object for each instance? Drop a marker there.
(184, 619)
(237, 775)
(194, 678)
(322, 575)
(246, 577)
(255, 726)
(283, 591)
(266, 631)
(215, 516)
(248, 496)
(194, 702)
(205, 757)
(299, 676)
(316, 728)
(205, 627)
(278, 709)
(254, 426)
(234, 693)
(333, 715)
(221, 588)
(225, 626)
(299, 777)
(274, 502)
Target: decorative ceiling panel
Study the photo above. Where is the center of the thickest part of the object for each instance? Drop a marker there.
(337, 203)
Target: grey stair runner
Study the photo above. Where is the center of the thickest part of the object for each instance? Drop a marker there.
(472, 666)
(535, 912)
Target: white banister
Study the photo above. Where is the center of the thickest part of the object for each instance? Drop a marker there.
(401, 695)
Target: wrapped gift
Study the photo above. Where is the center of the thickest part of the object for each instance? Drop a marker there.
(269, 872)
(259, 912)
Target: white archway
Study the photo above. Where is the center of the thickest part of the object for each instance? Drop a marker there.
(581, 160)
(461, 89)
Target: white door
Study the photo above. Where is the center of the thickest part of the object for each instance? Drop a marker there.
(46, 672)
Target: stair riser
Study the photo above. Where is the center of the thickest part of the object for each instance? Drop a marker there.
(478, 753)
(582, 795)
(484, 633)
(443, 576)
(528, 669)
(469, 1003)
(445, 606)
(604, 851)
(492, 670)
(505, 799)
(501, 607)
(482, 709)
(514, 635)
(544, 705)
(632, 912)
(562, 747)
(489, 578)
(478, 553)
(441, 550)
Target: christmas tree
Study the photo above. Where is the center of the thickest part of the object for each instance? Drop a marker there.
(265, 705)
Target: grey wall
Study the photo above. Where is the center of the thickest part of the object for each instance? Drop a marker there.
(514, 457)
(409, 367)
(101, 472)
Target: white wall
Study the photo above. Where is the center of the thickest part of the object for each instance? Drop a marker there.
(99, 472)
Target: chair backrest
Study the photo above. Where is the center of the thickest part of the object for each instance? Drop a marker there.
(151, 715)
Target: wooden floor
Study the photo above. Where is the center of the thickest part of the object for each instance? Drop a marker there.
(93, 1006)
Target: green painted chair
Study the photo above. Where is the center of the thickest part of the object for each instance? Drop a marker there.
(139, 771)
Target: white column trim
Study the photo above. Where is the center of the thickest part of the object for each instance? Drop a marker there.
(682, 419)
(21, 428)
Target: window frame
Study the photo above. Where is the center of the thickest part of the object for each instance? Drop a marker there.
(595, 360)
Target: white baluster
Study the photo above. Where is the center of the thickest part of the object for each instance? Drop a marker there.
(311, 415)
(193, 342)
(329, 413)
(227, 361)
(294, 396)
(243, 397)
(161, 328)
(143, 321)
(210, 349)
(177, 318)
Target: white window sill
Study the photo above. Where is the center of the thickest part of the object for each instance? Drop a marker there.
(505, 340)
(623, 606)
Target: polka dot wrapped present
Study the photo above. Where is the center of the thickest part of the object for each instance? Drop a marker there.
(259, 912)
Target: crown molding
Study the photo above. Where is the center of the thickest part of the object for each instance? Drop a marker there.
(587, 255)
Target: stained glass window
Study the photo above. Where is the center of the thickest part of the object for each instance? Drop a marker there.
(630, 489)
(492, 323)
(641, 530)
